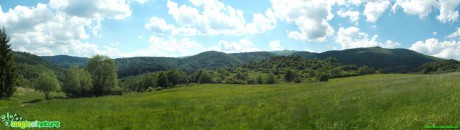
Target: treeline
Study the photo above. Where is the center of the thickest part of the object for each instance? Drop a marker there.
(441, 66)
(271, 71)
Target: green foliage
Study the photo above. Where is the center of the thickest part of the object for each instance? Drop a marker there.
(163, 80)
(78, 83)
(7, 67)
(441, 66)
(260, 80)
(30, 66)
(271, 79)
(381, 101)
(175, 76)
(46, 83)
(322, 78)
(290, 75)
(66, 62)
(104, 75)
(205, 77)
(388, 60)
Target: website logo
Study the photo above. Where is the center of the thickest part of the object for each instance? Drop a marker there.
(15, 121)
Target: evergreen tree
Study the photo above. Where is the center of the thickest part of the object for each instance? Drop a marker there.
(7, 68)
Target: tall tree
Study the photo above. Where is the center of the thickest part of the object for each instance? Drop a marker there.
(104, 74)
(7, 67)
(271, 79)
(46, 83)
(290, 75)
(71, 83)
(163, 80)
(175, 77)
(77, 83)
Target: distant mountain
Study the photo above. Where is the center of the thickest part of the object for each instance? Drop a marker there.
(388, 60)
(66, 61)
(140, 65)
(208, 60)
(284, 52)
(252, 56)
(30, 65)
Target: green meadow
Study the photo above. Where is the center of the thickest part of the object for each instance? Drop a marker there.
(380, 101)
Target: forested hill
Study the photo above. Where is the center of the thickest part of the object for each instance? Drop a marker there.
(66, 61)
(29, 66)
(387, 60)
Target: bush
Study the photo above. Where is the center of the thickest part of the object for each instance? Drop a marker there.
(298, 80)
(323, 78)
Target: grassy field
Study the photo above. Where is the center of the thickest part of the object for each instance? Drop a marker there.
(383, 101)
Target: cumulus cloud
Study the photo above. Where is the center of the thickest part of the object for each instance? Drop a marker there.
(353, 15)
(244, 45)
(275, 45)
(415, 7)
(454, 34)
(261, 22)
(99, 9)
(310, 16)
(351, 37)
(170, 47)
(212, 17)
(159, 25)
(447, 11)
(47, 29)
(434, 47)
(373, 10)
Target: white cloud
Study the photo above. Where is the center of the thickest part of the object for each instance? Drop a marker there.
(159, 25)
(454, 34)
(262, 23)
(310, 16)
(435, 33)
(244, 45)
(389, 44)
(447, 11)
(170, 47)
(47, 29)
(141, 1)
(442, 49)
(373, 10)
(275, 45)
(351, 37)
(415, 7)
(212, 17)
(353, 15)
(93, 9)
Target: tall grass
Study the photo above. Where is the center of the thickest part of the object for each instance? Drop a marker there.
(384, 101)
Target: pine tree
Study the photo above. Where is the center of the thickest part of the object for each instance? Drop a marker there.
(7, 68)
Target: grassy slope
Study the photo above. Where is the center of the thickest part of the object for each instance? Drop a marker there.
(375, 101)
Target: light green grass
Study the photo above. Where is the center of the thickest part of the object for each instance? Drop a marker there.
(384, 101)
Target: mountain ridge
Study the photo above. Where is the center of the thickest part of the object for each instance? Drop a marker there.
(388, 60)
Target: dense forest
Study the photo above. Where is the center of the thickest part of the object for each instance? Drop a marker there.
(270, 71)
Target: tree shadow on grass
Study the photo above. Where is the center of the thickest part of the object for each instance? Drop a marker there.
(33, 101)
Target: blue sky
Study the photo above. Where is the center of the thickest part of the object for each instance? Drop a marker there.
(126, 28)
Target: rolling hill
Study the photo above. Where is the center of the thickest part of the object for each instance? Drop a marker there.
(30, 65)
(387, 60)
(66, 61)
